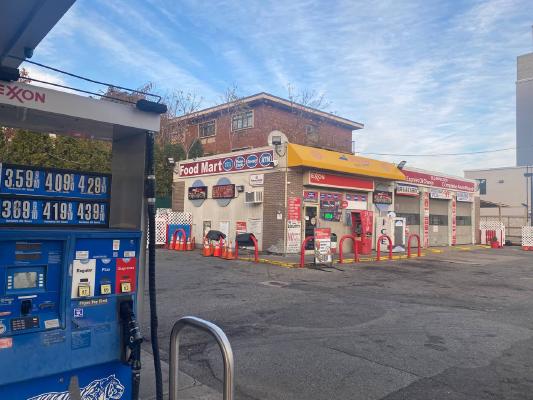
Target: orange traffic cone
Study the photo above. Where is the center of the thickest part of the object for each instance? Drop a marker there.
(229, 253)
(218, 249)
(183, 244)
(193, 243)
(224, 250)
(189, 244)
(177, 243)
(207, 248)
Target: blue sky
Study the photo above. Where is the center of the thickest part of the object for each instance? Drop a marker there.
(423, 76)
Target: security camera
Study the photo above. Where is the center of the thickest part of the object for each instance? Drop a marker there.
(276, 140)
(274, 163)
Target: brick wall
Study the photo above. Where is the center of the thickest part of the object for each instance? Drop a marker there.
(274, 201)
(178, 196)
(268, 118)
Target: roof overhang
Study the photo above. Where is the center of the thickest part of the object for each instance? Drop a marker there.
(40, 109)
(277, 101)
(310, 157)
(24, 23)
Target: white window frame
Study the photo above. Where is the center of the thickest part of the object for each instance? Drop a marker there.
(214, 121)
(241, 113)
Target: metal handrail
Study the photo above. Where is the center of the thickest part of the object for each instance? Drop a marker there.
(223, 343)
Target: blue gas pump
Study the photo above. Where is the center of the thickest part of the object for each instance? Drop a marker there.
(67, 294)
(73, 254)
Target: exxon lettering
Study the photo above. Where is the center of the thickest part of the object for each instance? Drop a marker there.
(13, 92)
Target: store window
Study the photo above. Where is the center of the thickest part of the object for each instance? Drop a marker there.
(410, 219)
(482, 185)
(242, 120)
(435, 219)
(463, 220)
(207, 129)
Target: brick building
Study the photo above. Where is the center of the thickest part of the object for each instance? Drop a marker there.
(251, 122)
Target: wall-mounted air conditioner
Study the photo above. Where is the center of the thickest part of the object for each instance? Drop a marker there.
(253, 197)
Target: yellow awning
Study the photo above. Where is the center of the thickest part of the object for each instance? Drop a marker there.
(303, 156)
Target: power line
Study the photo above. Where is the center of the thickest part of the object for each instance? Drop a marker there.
(84, 78)
(440, 154)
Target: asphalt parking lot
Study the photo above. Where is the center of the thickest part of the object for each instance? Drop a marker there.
(456, 325)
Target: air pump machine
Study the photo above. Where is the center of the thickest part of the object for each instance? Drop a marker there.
(72, 253)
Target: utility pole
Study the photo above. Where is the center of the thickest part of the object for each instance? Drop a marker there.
(530, 176)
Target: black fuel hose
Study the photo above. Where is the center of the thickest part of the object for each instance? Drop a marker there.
(150, 198)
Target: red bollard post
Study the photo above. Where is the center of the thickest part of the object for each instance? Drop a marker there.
(302, 251)
(378, 257)
(409, 244)
(356, 252)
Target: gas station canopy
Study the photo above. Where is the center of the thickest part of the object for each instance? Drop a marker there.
(24, 23)
(311, 157)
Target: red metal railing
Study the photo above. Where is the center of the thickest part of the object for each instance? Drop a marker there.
(302, 251)
(175, 236)
(355, 249)
(409, 244)
(378, 245)
(256, 251)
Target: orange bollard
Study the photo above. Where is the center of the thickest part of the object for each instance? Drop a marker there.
(229, 253)
(224, 250)
(207, 248)
(218, 249)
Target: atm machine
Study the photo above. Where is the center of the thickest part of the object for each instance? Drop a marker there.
(72, 254)
(362, 222)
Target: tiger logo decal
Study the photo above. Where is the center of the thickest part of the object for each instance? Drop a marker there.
(108, 388)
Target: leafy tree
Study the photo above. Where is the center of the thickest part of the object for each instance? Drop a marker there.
(196, 150)
(163, 169)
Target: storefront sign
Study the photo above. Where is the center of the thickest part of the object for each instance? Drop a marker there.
(454, 222)
(322, 245)
(339, 181)
(443, 194)
(198, 193)
(222, 165)
(294, 205)
(465, 197)
(426, 219)
(224, 191)
(310, 196)
(382, 197)
(407, 190)
(257, 179)
(294, 236)
(240, 227)
(421, 178)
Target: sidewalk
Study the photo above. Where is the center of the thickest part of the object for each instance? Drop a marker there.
(189, 388)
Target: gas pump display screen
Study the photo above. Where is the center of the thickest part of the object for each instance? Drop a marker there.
(40, 211)
(49, 182)
(25, 280)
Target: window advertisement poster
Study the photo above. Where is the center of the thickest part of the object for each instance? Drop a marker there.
(382, 197)
(442, 194)
(223, 191)
(310, 196)
(465, 197)
(294, 236)
(426, 219)
(454, 221)
(198, 193)
(294, 205)
(240, 227)
(206, 227)
(323, 245)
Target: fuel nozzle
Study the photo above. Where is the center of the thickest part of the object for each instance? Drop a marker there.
(132, 330)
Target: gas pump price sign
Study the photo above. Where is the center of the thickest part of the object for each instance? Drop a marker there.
(49, 182)
(39, 211)
(47, 196)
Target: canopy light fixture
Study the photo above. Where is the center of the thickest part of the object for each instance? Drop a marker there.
(9, 74)
(151, 106)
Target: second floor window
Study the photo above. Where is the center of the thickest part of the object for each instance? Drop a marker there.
(242, 120)
(207, 129)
